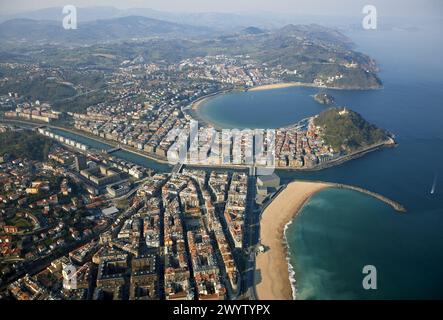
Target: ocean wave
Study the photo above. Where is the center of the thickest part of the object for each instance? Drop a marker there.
(291, 270)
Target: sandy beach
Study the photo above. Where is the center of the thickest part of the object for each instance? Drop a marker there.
(199, 102)
(272, 280)
(282, 85)
(301, 84)
(275, 86)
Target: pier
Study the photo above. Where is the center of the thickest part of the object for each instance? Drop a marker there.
(397, 206)
(394, 204)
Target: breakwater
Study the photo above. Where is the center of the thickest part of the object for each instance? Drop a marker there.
(397, 206)
(394, 204)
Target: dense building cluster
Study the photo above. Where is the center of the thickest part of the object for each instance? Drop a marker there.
(40, 205)
(34, 111)
(157, 120)
(113, 229)
(148, 108)
(177, 237)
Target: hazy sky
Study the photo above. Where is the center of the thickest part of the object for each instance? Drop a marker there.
(336, 7)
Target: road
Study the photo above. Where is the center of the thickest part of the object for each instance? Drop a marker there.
(250, 241)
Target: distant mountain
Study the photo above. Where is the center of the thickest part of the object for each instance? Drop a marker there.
(253, 30)
(226, 21)
(56, 14)
(24, 29)
(304, 53)
(315, 31)
(214, 20)
(124, 28)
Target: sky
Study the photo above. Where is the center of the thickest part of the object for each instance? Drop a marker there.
(312, 7)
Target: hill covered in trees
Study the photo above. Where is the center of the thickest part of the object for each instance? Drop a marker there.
(24, 144)
(346, 130)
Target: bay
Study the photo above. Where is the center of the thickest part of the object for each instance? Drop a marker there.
(338, 232)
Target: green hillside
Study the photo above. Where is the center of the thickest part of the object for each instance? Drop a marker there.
(346, 130)
(24, 144)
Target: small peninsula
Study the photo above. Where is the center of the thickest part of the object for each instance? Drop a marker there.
(347, 131)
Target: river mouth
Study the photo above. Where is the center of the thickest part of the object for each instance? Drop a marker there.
(267, 109)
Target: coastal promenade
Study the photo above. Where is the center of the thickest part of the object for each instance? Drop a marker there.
(272, 279)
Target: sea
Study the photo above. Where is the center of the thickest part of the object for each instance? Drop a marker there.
(340, 232)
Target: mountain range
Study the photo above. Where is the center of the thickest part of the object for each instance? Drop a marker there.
(123, 28)
(214, 20)
(221, 21)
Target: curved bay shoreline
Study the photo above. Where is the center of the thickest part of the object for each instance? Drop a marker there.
(272, 266)
(193, 107)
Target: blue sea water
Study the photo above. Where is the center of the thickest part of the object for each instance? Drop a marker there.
(339, 232)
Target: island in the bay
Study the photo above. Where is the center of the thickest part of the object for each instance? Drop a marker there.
(324, 98)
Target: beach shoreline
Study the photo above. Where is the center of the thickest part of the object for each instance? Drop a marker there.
(279, 86)
(274, 281)
(283, 85)
(276, 277)
(200, 101)
(192, 109)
